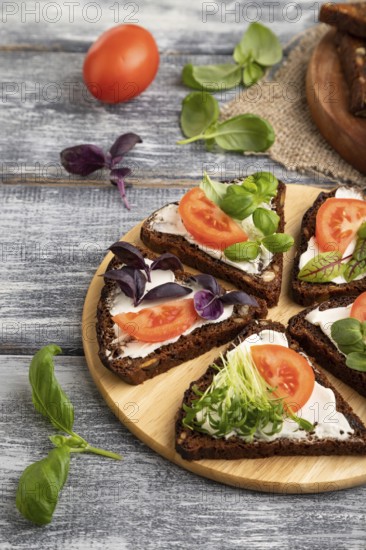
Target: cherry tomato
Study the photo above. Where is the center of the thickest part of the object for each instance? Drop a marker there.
(207, 223)
(121, 63)
(158, 323)
(337, 223)
(287, 371)
(358, 310)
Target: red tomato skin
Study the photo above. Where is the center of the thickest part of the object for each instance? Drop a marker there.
(358, 310)
(121, 63)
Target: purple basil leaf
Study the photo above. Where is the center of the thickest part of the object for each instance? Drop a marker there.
(118, 173)
(167, 290)
(83, 159)
(238, 297)
(122, 145)
(167, 261)
(125, 281)
(129, 255)
(207, 305)
(139, 280)
(208, 282)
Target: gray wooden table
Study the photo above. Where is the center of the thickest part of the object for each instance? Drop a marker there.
(54, 232)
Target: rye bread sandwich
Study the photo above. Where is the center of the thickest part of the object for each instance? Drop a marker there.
(247, 405)
(153, 316)
(233, 231)
(331, 257)
(334, 333)
(352, 55)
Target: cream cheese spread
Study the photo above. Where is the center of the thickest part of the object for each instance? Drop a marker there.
(325, 319)
(123, 304)
(320, 409)
(168, 220)
(313, 249)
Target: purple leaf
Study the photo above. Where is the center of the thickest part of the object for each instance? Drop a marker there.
(166, 290)
(83, 159)
(207, 305)
(122, 145)
(208, 282)
(238, 297)
(131, 281)
(130, 255)
(167, 261)
(117, 173)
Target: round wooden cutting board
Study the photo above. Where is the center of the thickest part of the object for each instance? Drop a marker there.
(327, 94)
(148, 410)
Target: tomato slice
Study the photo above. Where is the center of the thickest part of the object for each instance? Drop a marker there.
(337, 223)
(358, 310)
(158, 323)
(207, 223)
(287, 371)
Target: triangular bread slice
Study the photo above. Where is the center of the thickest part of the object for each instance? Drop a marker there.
(316, 343)
(349, 18)
(138, 369)
(305, 293)
(266, 285)
(193, 445)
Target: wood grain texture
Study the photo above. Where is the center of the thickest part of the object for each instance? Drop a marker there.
(146, 502)
(328, 96)
(149, 409)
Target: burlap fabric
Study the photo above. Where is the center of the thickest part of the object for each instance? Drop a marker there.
(281, 100)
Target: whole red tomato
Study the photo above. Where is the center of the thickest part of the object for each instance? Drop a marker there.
(121, 63)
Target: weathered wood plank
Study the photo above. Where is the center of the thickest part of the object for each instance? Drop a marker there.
(146, 502)
(207, 27)
(45, 108)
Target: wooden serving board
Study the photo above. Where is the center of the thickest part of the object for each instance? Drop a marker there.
(327, 94)
(148, 410)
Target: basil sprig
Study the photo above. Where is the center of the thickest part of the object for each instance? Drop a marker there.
(350, 337)
(258, 49)
(250, 250)
(40, 483)
(199, 121)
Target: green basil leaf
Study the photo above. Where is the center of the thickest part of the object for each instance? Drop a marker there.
(323, 268)
(359, 252)
(266, 220)
(262, 43)
(241, 57)
(243, 133)
(278, 242)
(242, 252)
(348, 335)
(71, 442)
(48, 397)
(354, 268)
(238, 203)
(357, 361)
(266, 185)
(211, 77)
(214, 190)
(362, 231)
(40, 484)
(199, 111)
(252, 73)
(249, 185)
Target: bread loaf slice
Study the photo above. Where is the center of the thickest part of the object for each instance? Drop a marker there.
(266, 285)
(306, 293)
(137, 370)
(313, 340)
(193, 445)
(352, 54)
(350, 18)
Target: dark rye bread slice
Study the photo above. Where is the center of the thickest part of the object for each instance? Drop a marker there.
(193, 445)
(352, 54)
(305, 293)
(350, 18)
(268, 288)
(202, 339)
(316, 343)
